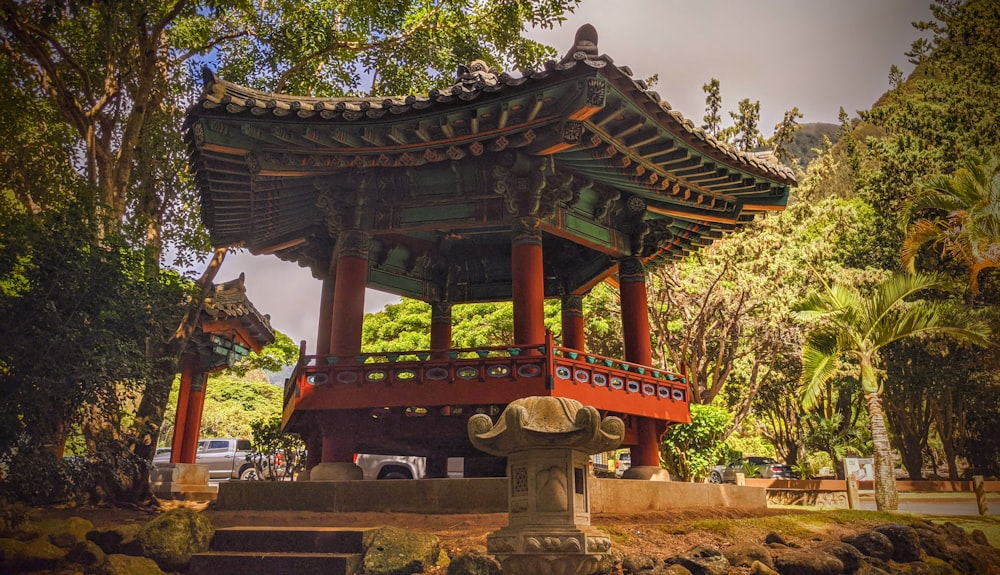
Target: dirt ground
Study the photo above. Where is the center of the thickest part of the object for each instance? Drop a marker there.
(656, 533)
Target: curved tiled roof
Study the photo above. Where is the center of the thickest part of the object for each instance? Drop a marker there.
(471, 83)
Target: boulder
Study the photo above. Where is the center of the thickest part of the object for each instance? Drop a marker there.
(807, 562)
(638, 562)
(120, 540)
(86, 553)
(610, 564)
(951, 544)
(758, 568)
(773, 538)
(702, 560)
(130, 565)
(394, 551)
(172, 537)
(64, 533)
(35, 555)
(905, 542)
(979, 538)
(745, 554)
(872, 544)
(473, 562)
(848, 555)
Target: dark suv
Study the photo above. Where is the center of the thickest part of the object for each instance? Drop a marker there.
(767, 468)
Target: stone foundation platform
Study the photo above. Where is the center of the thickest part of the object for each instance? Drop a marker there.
(454, 496)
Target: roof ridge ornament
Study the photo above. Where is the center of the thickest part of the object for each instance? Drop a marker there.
(584, 45)
(476, 76)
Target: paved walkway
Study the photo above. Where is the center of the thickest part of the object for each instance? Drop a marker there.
(937, 503)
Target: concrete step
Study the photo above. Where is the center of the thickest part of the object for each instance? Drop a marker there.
(256, 563)
(289, 539)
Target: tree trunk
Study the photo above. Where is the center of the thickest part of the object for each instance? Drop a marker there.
(886, 497)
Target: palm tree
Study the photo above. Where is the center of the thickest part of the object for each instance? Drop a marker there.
(854, 328)
(970, 229)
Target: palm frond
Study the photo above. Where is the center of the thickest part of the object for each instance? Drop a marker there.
(919, 233)
(820, 354)
(892, 292)
(934, 317)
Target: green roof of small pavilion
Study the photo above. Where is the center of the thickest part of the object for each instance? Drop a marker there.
(432, 178)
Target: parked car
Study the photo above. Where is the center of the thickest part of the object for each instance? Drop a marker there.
(767, 467)
(226, 458)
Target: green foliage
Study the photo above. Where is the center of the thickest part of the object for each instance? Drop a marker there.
(713, 107)
(77, 316)
(745, 133)
(690, 450)
(969, 232)
(750, 470)
(268, 440)
(232, 404)
(393, 47)
(784, 133)
(272, 357)
(856, 328)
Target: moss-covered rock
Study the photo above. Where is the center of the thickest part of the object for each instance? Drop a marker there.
(64, 533)
(130, 565)
(394, 551)
(473, 562)
(86, 553)
(19, 556)
(172, 537)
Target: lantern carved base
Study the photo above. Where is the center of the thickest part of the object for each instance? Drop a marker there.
(548, 551)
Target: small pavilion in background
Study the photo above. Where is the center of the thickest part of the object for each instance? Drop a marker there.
(499, 187)
(229, 328)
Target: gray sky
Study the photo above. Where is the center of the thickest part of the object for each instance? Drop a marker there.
(818, 55)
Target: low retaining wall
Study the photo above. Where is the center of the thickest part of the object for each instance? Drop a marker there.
(902, 485)
(453, 496)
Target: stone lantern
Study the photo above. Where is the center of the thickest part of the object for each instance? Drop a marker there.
(547, 441)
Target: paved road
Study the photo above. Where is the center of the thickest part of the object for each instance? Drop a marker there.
(937, 503)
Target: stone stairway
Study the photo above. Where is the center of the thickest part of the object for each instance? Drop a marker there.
(281, 550)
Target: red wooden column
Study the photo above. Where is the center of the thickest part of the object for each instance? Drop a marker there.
(349, 293)
(528, 281)
(189, 370)
(345, 332)
(192, 427)
(572, 322)
(635, 328)
(325, 329)
(440, 328)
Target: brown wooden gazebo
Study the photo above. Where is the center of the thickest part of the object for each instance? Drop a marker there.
(498, 187)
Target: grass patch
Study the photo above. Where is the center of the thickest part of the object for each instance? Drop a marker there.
(989, 524)
(616, 534)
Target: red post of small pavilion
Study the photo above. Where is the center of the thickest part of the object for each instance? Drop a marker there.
(192, 425)
(189, 370)
(635, 331)
(572, 322)
(528, 281)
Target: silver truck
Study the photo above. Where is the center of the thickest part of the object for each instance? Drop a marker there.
(226, 458)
